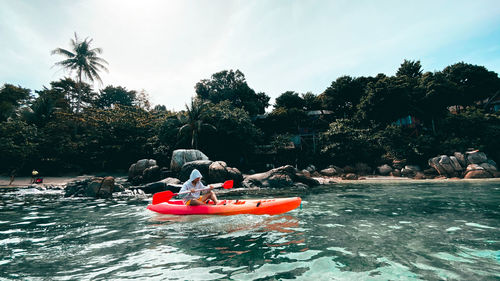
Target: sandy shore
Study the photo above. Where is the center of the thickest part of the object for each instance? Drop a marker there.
(25, 181)
(57, 181)
(60, 181)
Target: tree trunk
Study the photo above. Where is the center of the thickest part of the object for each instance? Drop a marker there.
(79, 89)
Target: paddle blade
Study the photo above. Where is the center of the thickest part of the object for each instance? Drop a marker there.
(163, 196)
(228, 184)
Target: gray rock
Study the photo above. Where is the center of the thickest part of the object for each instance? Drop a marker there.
(434, 163)
(143, 170)
(329, 172)
(478, 174)
(414, 168)
(410, 170)
(91, 187)
(311, 168)
(476, 157)
(306, 178)
(456, 164)
(395, 173)
(384, 170)
(201, 165)
(488, 167)
(281, 177)
(159, 186)
(474, 167)
(461, 159)
(351, 176)
(445, 162)
(152, 173)
(218, 171)
(183, 156)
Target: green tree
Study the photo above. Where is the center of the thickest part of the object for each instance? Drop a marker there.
(474, 83)
(470, 128)
(236, 135)
(193, 121)
(69, 93)
(232, 86)
(343, 96)
(84, 60)
(290, 99)
(11, 98)
(18, 145)
(311, 101)
(348, 142)
(111, 96)
(411, 69)
(386, 100)
(438, 94)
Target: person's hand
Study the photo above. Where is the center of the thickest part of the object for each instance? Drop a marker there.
(211, 187)
(193, 190)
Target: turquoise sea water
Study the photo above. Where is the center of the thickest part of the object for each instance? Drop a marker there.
(362, 231)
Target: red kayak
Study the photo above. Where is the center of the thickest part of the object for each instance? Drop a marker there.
(229, 207)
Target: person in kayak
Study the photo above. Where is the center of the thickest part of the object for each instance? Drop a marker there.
(194, 184)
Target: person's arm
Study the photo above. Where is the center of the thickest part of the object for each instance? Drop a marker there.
(186, 187)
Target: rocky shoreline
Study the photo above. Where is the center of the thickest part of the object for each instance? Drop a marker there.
(146, 177)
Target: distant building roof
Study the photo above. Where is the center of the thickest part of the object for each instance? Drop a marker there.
(319, 112)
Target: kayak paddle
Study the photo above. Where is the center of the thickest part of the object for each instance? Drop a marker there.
(165, 196)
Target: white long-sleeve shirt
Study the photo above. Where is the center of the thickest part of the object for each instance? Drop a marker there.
(187, 186)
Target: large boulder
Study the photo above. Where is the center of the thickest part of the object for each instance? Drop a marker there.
(218, 171)
(200, 165)
(410, 170)
(489, 167)
(145, 170)
(456, 164)
(443, 164)
(434, 163)
(91, 187)
(461, 159)
(478, 174)
(183, 156)
(305, 178)
(286, 176)
(329, 172)
(476, 157)
(384, 170)
(350, 176)
(171, 184)
(475, 171)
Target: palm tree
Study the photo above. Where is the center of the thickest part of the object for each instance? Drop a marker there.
(193, 120)
(84, 60)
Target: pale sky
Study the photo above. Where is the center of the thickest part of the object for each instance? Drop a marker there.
(165, 47)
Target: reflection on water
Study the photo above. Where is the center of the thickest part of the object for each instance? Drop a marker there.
(424, 231)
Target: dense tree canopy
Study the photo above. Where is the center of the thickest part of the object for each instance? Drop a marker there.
(70, 126)
(232, 86)
(11, 98)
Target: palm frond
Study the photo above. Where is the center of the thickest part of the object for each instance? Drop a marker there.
(61, 51)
